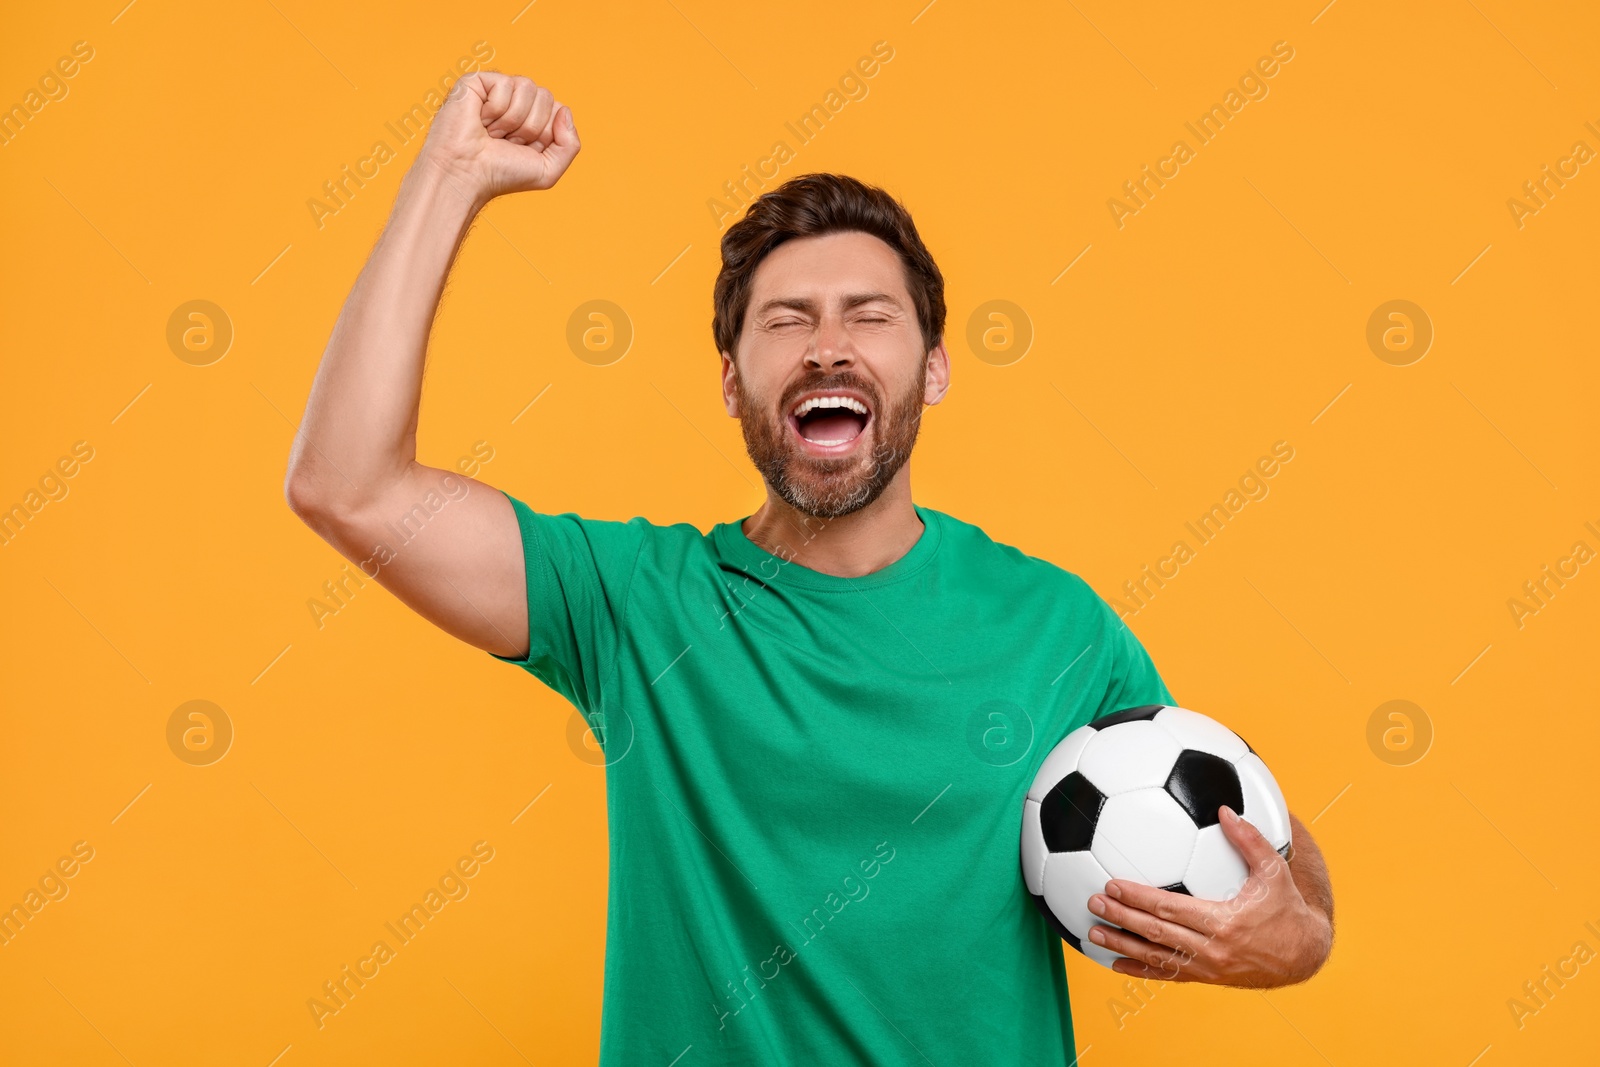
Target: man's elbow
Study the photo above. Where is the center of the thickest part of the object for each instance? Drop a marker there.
(315, 500)
(304, 493)
(326, 500)
(1321, 948)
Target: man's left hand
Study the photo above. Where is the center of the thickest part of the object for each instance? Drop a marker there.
(1267, 935)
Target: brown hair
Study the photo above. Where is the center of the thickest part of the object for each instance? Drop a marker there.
(808, 206)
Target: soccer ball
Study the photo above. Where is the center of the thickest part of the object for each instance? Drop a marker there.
(1134, 795)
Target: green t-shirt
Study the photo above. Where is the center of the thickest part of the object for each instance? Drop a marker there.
(814, 785)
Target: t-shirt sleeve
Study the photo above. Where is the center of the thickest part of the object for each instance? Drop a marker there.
(1134, 680)
(578, 575)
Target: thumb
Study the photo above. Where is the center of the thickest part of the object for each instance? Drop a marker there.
(1257, 851)
(564, 144)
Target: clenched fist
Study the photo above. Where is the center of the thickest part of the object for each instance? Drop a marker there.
(501, 134)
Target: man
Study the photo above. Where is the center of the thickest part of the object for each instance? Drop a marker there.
(813, 822)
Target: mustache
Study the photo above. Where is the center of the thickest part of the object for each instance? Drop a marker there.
(839, 380)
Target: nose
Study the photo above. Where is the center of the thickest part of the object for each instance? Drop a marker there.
(830, 348)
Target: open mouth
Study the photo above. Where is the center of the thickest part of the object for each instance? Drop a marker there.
(830, 422)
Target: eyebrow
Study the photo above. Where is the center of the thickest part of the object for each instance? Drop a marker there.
(800, 303)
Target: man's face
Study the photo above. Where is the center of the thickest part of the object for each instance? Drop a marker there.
(831, 374)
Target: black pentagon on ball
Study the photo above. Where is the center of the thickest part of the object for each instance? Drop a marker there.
(1178, 887)
(1117, 718)
(1068, 813)
(1055, 924)
(1201, 783)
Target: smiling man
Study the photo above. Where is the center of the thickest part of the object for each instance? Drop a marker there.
(819, 721)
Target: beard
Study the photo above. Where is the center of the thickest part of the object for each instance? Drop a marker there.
(831, 487)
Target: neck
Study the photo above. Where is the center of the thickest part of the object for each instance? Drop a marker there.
(850, 546)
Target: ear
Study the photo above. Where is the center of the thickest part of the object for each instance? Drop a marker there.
(938, 379)
(730, 395)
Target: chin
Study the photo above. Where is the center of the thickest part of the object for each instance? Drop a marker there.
(832, 494)
(828, 452)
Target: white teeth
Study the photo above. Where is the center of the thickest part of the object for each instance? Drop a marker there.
(846, 402)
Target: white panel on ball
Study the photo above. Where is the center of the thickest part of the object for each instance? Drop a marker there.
(1062, 761)
(1070, 879)
(1216, 871)
(1144, 836)
(1033, 849)
(1100, 954)
(1264, 806)
(1201, 732)
(1132, 755)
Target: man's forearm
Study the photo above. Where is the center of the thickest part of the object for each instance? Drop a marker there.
(1309, 870)
(360, 425)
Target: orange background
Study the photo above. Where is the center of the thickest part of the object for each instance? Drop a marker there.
(1229, 313)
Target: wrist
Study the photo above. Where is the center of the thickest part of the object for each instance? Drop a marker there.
(447, 187)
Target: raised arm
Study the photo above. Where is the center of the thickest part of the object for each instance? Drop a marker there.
(445, 544)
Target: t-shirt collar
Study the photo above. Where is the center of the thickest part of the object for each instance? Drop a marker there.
(734, 547)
